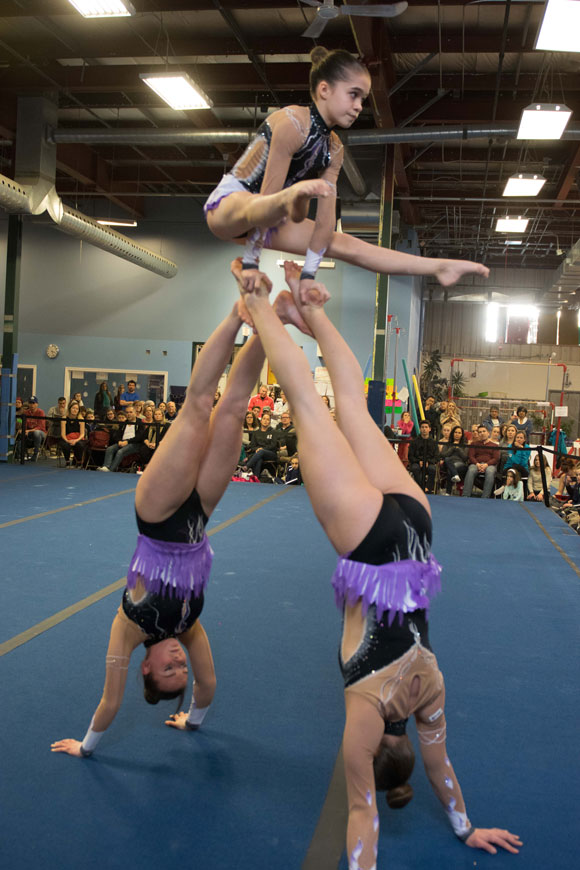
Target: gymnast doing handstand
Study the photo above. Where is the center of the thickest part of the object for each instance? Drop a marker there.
(379, 521)
(296, 155)
(170, 568)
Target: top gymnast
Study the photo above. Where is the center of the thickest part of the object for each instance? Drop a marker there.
(295, 156)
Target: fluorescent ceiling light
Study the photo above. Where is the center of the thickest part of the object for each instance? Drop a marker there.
(513, 242)
(560, 27)
(106, 222)
(544, 121)
(103, 8)
(524, 185)
(511, 225)
(177, 89)
(325, 264)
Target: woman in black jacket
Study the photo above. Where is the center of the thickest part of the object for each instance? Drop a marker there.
(455, 457)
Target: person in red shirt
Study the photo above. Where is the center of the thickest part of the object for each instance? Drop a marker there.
(35, 427)
(483, 459)
(262, 400)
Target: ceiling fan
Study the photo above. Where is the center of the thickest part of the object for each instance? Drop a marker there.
(326, 10)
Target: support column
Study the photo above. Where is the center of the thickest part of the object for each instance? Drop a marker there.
(382, 292)
(10, 334)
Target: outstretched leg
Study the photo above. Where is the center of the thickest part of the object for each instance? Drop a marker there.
(295, 239)
(172, 473)
(343, 499)
(224, 443)
(381, 464)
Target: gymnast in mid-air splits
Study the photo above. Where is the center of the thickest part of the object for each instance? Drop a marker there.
(175, 497)
(379, 522)
(296, 156)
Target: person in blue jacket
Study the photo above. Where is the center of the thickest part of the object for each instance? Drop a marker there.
(493, 418)
(522, 422)
(519, 455)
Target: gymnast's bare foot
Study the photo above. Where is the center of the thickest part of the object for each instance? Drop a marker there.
(312, 294)
(299, 196)
(448, 272)
(286, 309)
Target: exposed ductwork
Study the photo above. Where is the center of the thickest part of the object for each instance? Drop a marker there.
(398, 135)
(22, 199)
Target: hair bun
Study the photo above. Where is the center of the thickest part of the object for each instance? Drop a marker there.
(318, 55)
(399, 797)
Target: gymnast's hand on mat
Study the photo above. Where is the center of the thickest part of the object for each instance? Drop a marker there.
(177, 720)
(485, 838)
(70, 746)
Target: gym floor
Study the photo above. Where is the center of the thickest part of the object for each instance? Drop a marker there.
(260, 785)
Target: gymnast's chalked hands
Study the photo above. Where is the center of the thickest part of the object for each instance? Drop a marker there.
(70, 746)
(307, 291)
(485, 838)
(249, 280)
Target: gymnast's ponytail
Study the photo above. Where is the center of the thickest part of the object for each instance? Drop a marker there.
(332, 66)
(393, 765)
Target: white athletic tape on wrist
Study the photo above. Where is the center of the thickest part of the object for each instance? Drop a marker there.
(253, 249)
(195, 715)
(90, 740)
(459, 822)
(311, 263)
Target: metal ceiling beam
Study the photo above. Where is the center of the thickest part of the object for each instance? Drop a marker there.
(86, 166)
(568, 180)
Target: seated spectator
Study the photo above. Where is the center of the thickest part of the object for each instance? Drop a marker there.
(162, 407)
(535, 486)
(216, 397)
(262, 400)
(154, 433)
(257, 412)
(280, 405)
(518, 456)
(72, 434)
(110, 419)
(148, 411)
(125, 441)
(90, 420)
(286, 439)
(455, 458)
(507, 444)
(248, 428)
(566, 477)
(451, 415)
(405, 429)
(494, 434)
(139, 405)
(103, 401)
(170, 412)
(513, 489)
(388, 433)
(442, 407)
(55, 414)
(78, 398)
(445, 433)
(130, 395)
(483, 458)
(493, 418)
(423, 457)
(432, 416)
(34, 427)
(522, 422)
(326, 401)
(293, 477)
(262, 446)
(472, 436)
(117, 400)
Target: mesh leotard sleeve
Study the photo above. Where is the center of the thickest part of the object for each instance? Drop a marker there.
(124, 638)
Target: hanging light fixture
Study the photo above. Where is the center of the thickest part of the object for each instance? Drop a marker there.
(544, 121)
(560, 27)
(103, 8)
(524, 184)
(511, 225)
(177, 89)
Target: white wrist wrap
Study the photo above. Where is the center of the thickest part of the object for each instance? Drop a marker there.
(195, 715)
(312, 262)
(90, 740)
(459, 822)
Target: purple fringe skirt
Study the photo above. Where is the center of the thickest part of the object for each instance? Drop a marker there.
(229, 184)
(399, 587)
(171, 568)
